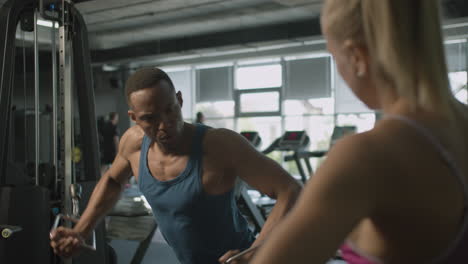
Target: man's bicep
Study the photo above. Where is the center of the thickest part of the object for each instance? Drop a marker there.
(256, 169)
(120, 170)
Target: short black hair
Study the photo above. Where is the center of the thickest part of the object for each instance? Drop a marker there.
(145, 78)
(199, 117)
(112, 115)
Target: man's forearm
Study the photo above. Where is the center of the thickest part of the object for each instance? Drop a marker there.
(285, 201)
(105, 195)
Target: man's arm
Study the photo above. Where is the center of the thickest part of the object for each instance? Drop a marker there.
(105, 195)
(66, 242)
(263, 174)
(116, 143)
(116, 139)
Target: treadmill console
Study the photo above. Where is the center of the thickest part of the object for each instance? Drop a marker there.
(253, 137)
(293, 140)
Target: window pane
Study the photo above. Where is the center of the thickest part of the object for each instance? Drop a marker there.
(259, 102)
(455, 53)
(216, 109)
(214, 84)
(345, 100)
(182, 82)
(363, 122)
(458, 82)
(265, 76)
(220, 123)
(312, 106)
(308, 78)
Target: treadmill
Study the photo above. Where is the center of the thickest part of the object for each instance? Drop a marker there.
(301, 155)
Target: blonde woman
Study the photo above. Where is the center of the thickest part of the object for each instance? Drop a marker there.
(397, 193)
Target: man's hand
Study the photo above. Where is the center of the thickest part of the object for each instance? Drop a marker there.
(66, 242)
(241, 260)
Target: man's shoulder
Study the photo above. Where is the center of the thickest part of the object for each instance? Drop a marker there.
(221, 140)
(132, 139)
(215, 136)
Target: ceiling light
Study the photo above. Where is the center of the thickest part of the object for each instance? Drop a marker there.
(46, 23)
(455, 41)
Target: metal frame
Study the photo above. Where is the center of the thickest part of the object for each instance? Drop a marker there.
(67, 115)
(466, 72)
(256, 215)
(84, 83)
(54, 107)
(305, 156)
(36, 100)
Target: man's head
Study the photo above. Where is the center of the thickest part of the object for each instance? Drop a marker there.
(154, 105)
(114, 118)
(200, 118)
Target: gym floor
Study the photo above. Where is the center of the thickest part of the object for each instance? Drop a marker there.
(158, 251)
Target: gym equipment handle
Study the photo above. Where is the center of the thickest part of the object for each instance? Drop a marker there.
(74, 220)
(238, 255)
(8, 230)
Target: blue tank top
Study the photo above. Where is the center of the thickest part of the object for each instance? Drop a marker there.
(199, 227)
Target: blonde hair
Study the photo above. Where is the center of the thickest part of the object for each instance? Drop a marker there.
(404, 41)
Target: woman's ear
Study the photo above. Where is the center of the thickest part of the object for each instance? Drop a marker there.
(131, 114)
(358, 58)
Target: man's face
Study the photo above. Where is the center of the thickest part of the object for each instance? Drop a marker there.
(115, 120)
(157, 110)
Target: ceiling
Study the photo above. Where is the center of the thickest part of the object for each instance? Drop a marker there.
(122, 30)
(121, 23)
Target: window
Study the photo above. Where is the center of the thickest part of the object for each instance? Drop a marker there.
(345, 100)
(214, 84)
(362, 122)
(182, 80)
(258, 90)
(456, 56)
(255, 102)
(216, 109)
(257, 77)
(308, 78)
(318, 106)
(458, 81)
(220, 123)
(214, 94)
(455, 53)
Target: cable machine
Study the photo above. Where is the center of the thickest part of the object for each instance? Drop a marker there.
(29, 207)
